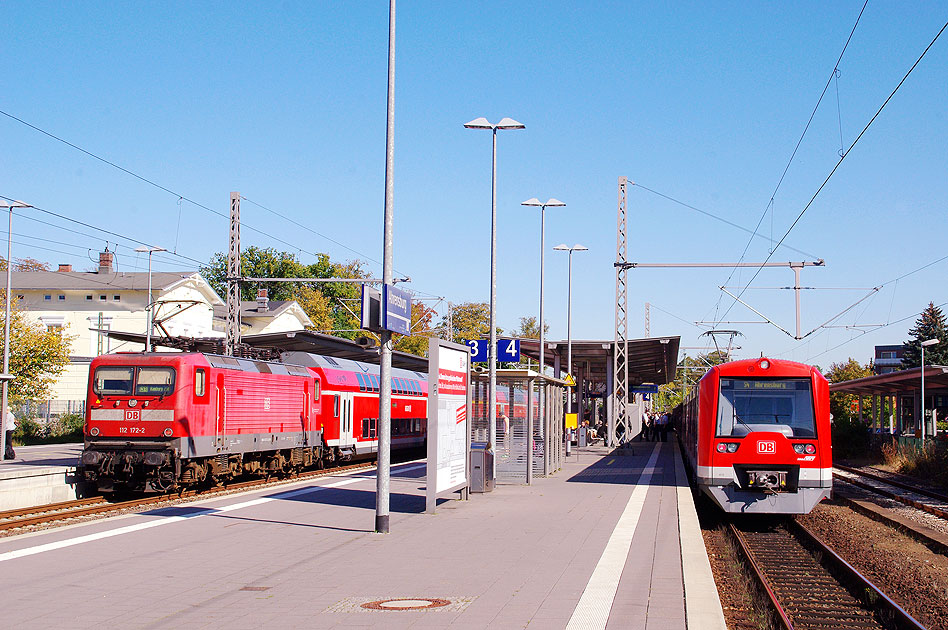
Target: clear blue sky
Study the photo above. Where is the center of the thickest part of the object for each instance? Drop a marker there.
(702, 102)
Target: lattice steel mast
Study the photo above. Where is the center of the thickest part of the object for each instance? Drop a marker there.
(232, 334)
(620, 371)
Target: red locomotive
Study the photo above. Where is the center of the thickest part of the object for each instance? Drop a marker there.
(160, 421)
(757, 435)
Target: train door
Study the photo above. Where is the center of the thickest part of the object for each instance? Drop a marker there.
(346, 437)
(220, 423)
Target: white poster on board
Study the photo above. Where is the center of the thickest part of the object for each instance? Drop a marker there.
(448, 414)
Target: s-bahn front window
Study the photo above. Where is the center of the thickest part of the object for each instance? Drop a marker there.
(783, 406)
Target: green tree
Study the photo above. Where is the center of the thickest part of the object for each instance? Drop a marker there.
(841, 405)
(332, 306)
(471, 320)
(687, 374)
(37, 356)
(422, 319)
(930, 325)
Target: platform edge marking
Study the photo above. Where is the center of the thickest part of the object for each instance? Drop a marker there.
(595, 604)
(702, 602)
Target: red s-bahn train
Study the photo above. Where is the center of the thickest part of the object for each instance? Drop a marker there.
(757, 436)
(161, 421)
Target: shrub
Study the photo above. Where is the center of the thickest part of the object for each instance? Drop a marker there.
(850, 437)
(929, 462)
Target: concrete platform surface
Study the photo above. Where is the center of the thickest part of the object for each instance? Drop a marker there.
(594, 546)
(39, 475)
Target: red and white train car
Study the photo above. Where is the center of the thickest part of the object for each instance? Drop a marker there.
(158, 421)
(757, 435)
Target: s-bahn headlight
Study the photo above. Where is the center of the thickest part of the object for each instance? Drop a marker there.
(94, 431)
(764, 364)
(727, 447)
(809, 449)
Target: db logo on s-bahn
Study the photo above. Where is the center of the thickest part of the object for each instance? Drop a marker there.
(766, 447)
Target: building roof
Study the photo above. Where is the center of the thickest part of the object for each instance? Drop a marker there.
(936, 377)
(248, 308)
(92, 281)
(279, 342)
(651, 360)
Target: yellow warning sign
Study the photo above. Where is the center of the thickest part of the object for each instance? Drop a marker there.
(570, 381)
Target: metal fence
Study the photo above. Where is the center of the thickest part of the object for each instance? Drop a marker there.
(49, 409)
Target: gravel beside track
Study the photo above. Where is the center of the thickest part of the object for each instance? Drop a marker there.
(907, 571)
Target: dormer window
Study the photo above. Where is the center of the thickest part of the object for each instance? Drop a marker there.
(116, 298)
(88, 297)
(48, 297)
(103, 298)
(62, 297)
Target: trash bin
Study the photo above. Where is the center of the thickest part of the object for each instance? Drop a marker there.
(482, 468)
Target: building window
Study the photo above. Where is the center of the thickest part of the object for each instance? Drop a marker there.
(20, 297)
(62, 297)
(47, 297)
(888, 354)
(116, 298)
(103, 298)
(88, 297)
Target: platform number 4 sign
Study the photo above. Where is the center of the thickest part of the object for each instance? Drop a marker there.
(508, 350)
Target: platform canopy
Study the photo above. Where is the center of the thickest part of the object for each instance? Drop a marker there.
(936, 377)
(274, 343)
(652, 360)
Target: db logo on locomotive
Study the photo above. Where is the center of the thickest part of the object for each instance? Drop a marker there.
(133, 414)
(768, 447)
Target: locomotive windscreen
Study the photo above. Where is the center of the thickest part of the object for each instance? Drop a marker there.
(118, 381)
(748, 405)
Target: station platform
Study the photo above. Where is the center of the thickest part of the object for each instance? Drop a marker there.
(39, 475)
(609, 541)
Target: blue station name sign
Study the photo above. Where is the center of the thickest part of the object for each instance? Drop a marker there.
(396, 310)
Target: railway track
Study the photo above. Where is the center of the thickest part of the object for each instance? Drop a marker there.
(920, 498)
(63, 511)
(811, 587)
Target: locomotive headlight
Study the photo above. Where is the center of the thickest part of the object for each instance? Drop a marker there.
(132, 402)
(168, 432)
(94, 431)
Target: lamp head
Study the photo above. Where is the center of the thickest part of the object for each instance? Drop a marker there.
(929, 342)
(533, 201)
(562, 247)
(580, 248)
(553, 202)
(479, 123)
(509, 123)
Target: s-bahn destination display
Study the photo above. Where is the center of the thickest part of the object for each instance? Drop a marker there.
(448, 418)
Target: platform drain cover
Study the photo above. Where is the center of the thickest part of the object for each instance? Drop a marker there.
(367, 604)
(255, 588)
(406, 604)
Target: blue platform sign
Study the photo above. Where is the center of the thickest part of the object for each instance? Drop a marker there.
(508, 350)
(644, 389)
(396, 310)
(478, 350)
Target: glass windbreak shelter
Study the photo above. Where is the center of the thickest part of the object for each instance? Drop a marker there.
(527, 443)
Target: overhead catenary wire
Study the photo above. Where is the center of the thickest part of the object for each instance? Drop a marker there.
(839, 162)
(177, 195)
(796, 148)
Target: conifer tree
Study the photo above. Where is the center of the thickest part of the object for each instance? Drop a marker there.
(930, 325)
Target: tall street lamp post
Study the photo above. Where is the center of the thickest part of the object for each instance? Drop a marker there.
(543, 206)
(9, 205)
(925, 344)
(569, 307)
(481, 123)
(151, 307)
